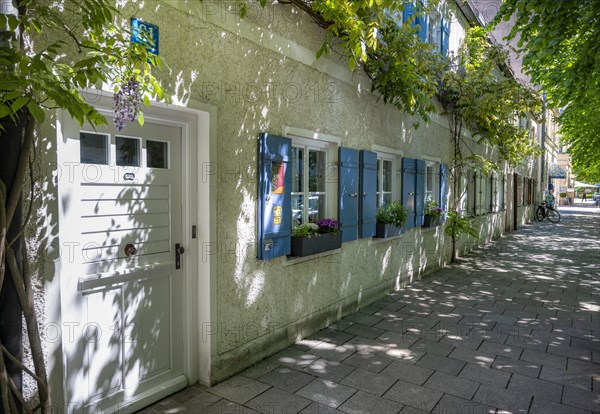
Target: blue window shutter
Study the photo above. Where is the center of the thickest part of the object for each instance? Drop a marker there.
(367, 193)
(409, 172)
(445, 37)
(421, 20)
(348, 193)
(420, 193)
(274, 196)
(444, 187)
(408, 11)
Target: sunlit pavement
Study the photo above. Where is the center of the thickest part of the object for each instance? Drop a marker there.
(512, 328)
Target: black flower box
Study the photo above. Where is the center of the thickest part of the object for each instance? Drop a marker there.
(306, 246)
(383, 231)
(430, 221)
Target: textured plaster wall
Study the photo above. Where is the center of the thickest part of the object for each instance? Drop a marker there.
(261, 305)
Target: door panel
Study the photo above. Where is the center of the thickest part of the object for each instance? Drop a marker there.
(129, 304)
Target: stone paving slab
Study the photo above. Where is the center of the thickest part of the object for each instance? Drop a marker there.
(326, 392)
(449, 384)
(414, 395)
(488, 334)
(368, 381)
(363, 402)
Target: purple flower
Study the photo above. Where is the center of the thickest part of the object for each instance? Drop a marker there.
(127, 103)
(327, 225)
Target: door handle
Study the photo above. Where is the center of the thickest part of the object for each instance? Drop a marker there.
(354, 195)
(411, 194)
(179, 250)
(364, 194)
(130, 250)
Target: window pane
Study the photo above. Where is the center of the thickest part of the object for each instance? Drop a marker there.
(429, 183)
(157, 154)
(128, 151)
(387, 175)
(316, 207)
(297, 210)
(297, 169)
(387, 198)
(93, 148)
(316, 171)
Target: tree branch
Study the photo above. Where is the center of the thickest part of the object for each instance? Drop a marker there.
(17, 185)
(25, 293)
(30, 209)
(306, 8)
(19, 363)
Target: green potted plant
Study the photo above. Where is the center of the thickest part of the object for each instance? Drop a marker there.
(433, 213)
(313, 238)
(390, 219)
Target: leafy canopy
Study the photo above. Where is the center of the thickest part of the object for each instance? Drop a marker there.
(91, 46)
(476, 96)
(560, 44)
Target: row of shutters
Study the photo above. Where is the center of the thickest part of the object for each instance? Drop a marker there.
(357, 194)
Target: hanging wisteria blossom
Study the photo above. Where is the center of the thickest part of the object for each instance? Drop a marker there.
(127, 103)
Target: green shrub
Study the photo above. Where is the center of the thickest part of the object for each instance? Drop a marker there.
(305, 230)
(457, 225)
(392, 213)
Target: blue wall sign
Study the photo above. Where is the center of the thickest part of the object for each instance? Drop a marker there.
(145, 34)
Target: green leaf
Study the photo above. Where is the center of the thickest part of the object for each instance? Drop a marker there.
(352, 64)
(140, 118)
(13, 22)
(18, 103)
(243, 11)
(5, 110)
(321, 50)
(36, 111)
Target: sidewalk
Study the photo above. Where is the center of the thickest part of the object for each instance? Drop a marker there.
(514, 327)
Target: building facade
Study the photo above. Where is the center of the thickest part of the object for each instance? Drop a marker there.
(164, 248)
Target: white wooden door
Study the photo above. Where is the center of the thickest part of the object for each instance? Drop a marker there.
(121, 290)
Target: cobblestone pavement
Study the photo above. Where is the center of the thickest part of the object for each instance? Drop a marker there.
(514, 327)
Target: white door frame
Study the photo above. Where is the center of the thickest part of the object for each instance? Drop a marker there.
(198, 207)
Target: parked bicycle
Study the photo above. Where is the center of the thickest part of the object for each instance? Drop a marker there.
(547, 211)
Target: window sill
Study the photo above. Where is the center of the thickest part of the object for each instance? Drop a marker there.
(428, 229)
(378, 240)
(291, 260)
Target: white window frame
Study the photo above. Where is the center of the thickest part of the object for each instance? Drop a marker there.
(502, 192)
(435, 180)
(394, 156)
(482, 193)
(311, 140)
(434, 29)
(496, 183)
